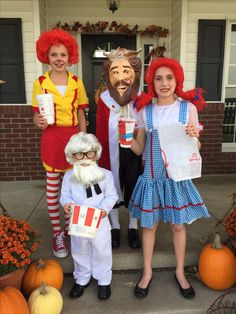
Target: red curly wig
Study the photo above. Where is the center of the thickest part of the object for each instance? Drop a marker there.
(56, 37)
(194, 95)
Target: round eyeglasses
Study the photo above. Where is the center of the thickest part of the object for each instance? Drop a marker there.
(90, 155)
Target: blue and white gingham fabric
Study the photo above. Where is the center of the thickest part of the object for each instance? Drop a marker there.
(157, 197)
(183, 112)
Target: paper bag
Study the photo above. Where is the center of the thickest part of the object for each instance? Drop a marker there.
(180, 152)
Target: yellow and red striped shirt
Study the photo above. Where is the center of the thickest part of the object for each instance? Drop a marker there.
(65, 106)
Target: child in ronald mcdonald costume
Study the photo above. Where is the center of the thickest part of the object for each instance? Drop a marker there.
(58, 49)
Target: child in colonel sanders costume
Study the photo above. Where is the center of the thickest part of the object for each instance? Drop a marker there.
(88, 184)
(123, 70)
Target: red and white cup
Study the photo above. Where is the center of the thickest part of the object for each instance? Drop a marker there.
(46, 107)
(84, 221)
(126, 129)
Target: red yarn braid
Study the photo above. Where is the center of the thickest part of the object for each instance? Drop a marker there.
(194, 96)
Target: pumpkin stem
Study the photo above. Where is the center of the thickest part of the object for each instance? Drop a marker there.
(41, 263)
(216, 243)
(43, 288)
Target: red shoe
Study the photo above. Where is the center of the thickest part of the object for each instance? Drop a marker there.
(66, 234)
(59, 246)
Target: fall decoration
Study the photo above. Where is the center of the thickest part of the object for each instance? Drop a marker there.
(227, 224)
(45, 300)
(12, 301)
(101, 26)
(18, 241)
(157, 52)
(48, 271)
(217, 265)
(224, 304)
(230, 225)
(13, 279)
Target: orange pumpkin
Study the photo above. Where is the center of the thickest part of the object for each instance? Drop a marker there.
(48, 271)
(12, 302)
(217, 265)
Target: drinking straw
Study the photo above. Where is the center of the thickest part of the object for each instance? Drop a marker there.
(128, 108)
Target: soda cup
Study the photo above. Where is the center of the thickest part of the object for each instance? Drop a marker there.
(126, 128)
(46, 106)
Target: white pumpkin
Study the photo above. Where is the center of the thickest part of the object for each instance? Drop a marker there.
(45, 300)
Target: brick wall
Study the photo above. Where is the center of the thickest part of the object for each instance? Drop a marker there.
(214, 161)
(20, 144)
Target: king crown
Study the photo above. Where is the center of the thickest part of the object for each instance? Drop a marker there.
(120, 53)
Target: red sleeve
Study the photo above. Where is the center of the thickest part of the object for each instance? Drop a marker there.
(35, 109)
(102, 131)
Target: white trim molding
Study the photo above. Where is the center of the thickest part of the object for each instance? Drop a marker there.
(228, 148)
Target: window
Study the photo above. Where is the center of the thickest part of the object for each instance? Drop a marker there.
(107, 46)
(229, 125)
(210, 57)
(147, 58)
(11, 62)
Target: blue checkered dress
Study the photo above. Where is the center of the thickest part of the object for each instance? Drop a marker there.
(157, 197)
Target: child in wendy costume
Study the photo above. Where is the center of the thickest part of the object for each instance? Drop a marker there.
(157, 197)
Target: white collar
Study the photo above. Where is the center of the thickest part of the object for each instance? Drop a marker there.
(109, 101)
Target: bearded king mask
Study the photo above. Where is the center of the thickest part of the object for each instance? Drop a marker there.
(123, 70)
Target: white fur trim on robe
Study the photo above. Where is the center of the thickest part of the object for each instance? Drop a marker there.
(113, 135)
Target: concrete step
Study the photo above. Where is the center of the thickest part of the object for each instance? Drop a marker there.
(163, 298)
(27, 200)
(125, 258)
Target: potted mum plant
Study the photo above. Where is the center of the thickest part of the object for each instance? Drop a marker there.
(230, 225)
(17, 242)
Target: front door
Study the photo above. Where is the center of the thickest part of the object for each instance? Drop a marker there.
(92, 64)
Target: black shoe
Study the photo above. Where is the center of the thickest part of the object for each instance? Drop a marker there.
(141, 293)
(104, 292)
(188, 293)
(77, 290)
(133, 238)
(115, 238)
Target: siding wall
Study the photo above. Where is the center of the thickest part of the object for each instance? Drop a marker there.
(43, 15)
(40, 15)
(175, 38)
(130, 12)
(202, 9)
(26, 11)
(214, 161)
(20, 139)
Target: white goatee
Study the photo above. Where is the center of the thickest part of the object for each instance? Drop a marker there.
(89, 174)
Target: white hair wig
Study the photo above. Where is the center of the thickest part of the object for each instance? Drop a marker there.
(82, 142)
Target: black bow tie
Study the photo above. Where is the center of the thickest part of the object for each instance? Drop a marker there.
(96, 188)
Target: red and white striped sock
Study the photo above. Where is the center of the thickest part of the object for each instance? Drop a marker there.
(66, 217)
(53, 186)
(67, 220)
